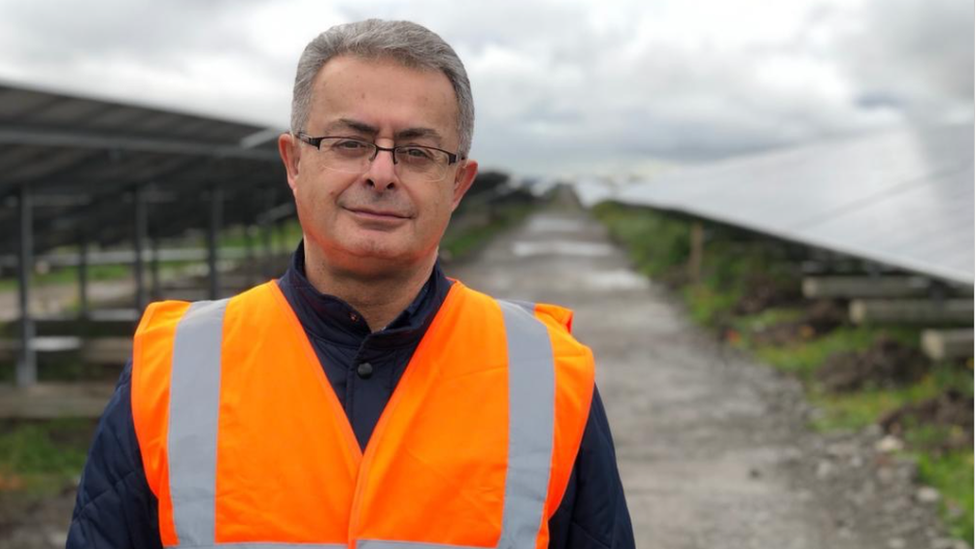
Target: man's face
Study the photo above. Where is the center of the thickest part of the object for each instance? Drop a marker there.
(375, 221)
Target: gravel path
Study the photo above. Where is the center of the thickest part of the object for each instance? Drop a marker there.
(712, 448)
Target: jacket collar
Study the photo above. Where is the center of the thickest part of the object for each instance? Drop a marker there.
(334, 320)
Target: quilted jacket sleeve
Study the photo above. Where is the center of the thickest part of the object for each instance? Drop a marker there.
(593, 513)
(115, 509)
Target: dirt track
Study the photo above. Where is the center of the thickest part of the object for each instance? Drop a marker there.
(712, 448)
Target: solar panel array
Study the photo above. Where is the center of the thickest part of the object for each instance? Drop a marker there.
(82, 159)
(904, 197)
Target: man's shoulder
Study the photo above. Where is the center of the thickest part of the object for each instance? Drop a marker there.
(172, 310)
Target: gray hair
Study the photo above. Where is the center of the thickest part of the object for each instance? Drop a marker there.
(407, 43)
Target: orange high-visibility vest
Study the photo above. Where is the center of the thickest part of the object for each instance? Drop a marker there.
(245, 444)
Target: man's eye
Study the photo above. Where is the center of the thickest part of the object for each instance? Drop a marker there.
(416, 153)
(350, 145)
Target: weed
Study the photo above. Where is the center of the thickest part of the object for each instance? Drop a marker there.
(43, 456)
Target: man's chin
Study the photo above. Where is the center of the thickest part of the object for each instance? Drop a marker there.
(377, 261)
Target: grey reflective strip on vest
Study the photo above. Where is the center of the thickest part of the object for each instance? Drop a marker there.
(194, 399)
(531, 413)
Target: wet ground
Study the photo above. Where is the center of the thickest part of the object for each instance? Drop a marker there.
(713, 449)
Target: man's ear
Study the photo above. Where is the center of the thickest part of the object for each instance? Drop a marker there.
(289, 148)
(463, 181)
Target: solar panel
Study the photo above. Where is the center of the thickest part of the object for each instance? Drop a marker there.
(902, 197)
(81, 157)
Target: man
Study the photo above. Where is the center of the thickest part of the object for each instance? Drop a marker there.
(364, 398)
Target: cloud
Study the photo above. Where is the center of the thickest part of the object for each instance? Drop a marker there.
(553, 80)
(917, 56)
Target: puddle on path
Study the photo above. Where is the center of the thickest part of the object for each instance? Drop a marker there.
(561, 247)
(619, 279)
(545, 224)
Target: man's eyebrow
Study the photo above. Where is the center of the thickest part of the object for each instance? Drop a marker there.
(362, 127)
(421, 133)
(355, 125)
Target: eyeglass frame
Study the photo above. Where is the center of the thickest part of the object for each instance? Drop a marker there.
(452, 158)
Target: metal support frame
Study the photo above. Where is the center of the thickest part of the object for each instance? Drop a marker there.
(249, 271)
(282, 236)
(267, 236)
(83, 305)
(27, 363)
(155, 284)
(267, 241)
(138, 243)
(66, 137)
(216, 215)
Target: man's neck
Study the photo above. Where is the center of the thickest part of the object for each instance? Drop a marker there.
(379, 298)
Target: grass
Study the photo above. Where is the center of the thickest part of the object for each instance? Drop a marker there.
(462, 241)
(656, 243)
(856, 410)
(803, 358)
(952, 475)
(458, 243)
(659, 244)
(289, 232)
(232, 237)
(69, 275)
(42, 457)
(708, 305)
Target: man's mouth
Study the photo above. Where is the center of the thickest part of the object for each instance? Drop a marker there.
(380, 214)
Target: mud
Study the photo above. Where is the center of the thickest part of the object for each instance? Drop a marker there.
(886, 364)
(818, 318)
(951, 412)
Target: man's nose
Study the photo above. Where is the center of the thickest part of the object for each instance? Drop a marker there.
(381, 174)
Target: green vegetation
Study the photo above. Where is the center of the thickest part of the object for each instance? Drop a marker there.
(69, 275)
(465, 237)
(804, 357)
(656, 243)
(288, 234)
(859, 409)
(42, 458)
(748, 288)
(952, 475)
(659, 244)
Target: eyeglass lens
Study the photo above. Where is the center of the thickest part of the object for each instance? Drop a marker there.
(411, 162)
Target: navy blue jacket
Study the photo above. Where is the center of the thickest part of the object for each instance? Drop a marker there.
(116, 509)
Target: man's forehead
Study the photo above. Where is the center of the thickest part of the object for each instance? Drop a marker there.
(353, 69)
(370, 95)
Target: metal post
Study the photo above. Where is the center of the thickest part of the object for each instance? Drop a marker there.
(83, 273)
(155, 288)
(281, 229)
(216, 213)
(248, 256)
(264, 222)
(138, 241)
(27, 365)
(268, 245)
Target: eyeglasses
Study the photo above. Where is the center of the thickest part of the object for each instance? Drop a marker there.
(412, 162)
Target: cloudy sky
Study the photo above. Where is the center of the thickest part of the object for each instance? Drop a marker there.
(560, 86)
